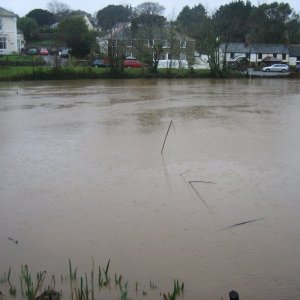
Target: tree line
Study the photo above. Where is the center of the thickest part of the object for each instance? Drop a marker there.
(238, 21)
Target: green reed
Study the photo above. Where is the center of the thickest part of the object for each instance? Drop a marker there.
(177, 290)
(12, 289)
(31, 289)
(106, 280)
(124, 290)
(82, 288)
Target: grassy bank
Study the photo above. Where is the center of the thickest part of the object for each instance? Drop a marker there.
(17, 73)
(20, 60)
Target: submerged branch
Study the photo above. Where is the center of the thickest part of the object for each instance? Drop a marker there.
(171, 123)
(243, 223)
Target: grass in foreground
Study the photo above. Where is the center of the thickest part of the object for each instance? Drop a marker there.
(73, 287)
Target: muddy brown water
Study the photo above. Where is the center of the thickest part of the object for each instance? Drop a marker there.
(82, 177)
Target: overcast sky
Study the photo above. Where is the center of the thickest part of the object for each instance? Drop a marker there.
(22, 7)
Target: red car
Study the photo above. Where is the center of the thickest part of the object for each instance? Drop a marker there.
(44, 51)
(132, 63)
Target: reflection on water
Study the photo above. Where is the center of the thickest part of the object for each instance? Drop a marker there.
(82, 177)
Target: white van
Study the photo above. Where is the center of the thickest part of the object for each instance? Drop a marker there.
(174, 63)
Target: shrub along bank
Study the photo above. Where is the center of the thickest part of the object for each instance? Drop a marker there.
(36, 72)
(20, 60)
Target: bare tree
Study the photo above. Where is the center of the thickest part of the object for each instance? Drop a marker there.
(58, 8)
(149, 8)
(148, 28)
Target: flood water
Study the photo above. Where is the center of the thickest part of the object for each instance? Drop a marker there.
(83, 177)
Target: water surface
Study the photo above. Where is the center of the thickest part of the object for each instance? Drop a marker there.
(82, 177)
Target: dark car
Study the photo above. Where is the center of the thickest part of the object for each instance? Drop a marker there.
(32, 51)
(54, 51)
(239, 64)
(100, 63)
(132, 63)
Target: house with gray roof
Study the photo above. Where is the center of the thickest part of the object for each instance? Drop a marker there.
(180, 47)
(294, 54)
(11, 41)
(256, 53)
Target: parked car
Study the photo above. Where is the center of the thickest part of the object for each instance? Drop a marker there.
(240, 63)
(44, 51)
(100, 63)
(54, 51)
(65, 53)
(32, 51)
(132, 63)
(277, 68)
(172, 63)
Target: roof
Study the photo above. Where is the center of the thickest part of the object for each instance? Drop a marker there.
(6, 13)
(256, 48)
(271, 59)
(122, 30)
(294, 50)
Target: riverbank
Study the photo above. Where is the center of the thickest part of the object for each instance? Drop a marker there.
(29, 73)
(26, 73)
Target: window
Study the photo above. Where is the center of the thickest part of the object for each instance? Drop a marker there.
(166, 44)
(129, 55)
(129, 43)
(183, 44)
(3, 43)
(275, 55)
(231, 55)
(1, 25)
(298, 58)
(259, 55)
(248, 55)
(182, 56)
(151, 43)
(284, 56)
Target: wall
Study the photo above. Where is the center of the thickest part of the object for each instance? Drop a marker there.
(9, 30)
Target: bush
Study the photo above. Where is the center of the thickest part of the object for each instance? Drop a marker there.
(21, 61)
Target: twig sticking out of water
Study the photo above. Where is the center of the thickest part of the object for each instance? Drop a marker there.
(11, 239)
(197, 193)
(243, 223)
(201, 181)
(181, 174)
(199, 196)
(171, 123)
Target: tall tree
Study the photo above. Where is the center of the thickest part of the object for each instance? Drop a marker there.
(193, 22)
(75, 33)
(148, 27)
(42, 17)
(190, 18)
(113, 14)
(149, 8)
(269, 22)
(28, 26)
(232, 21)
(293, 27)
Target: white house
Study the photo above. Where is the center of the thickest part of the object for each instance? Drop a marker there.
(10, 40)
(257, 53)
(294, 54)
